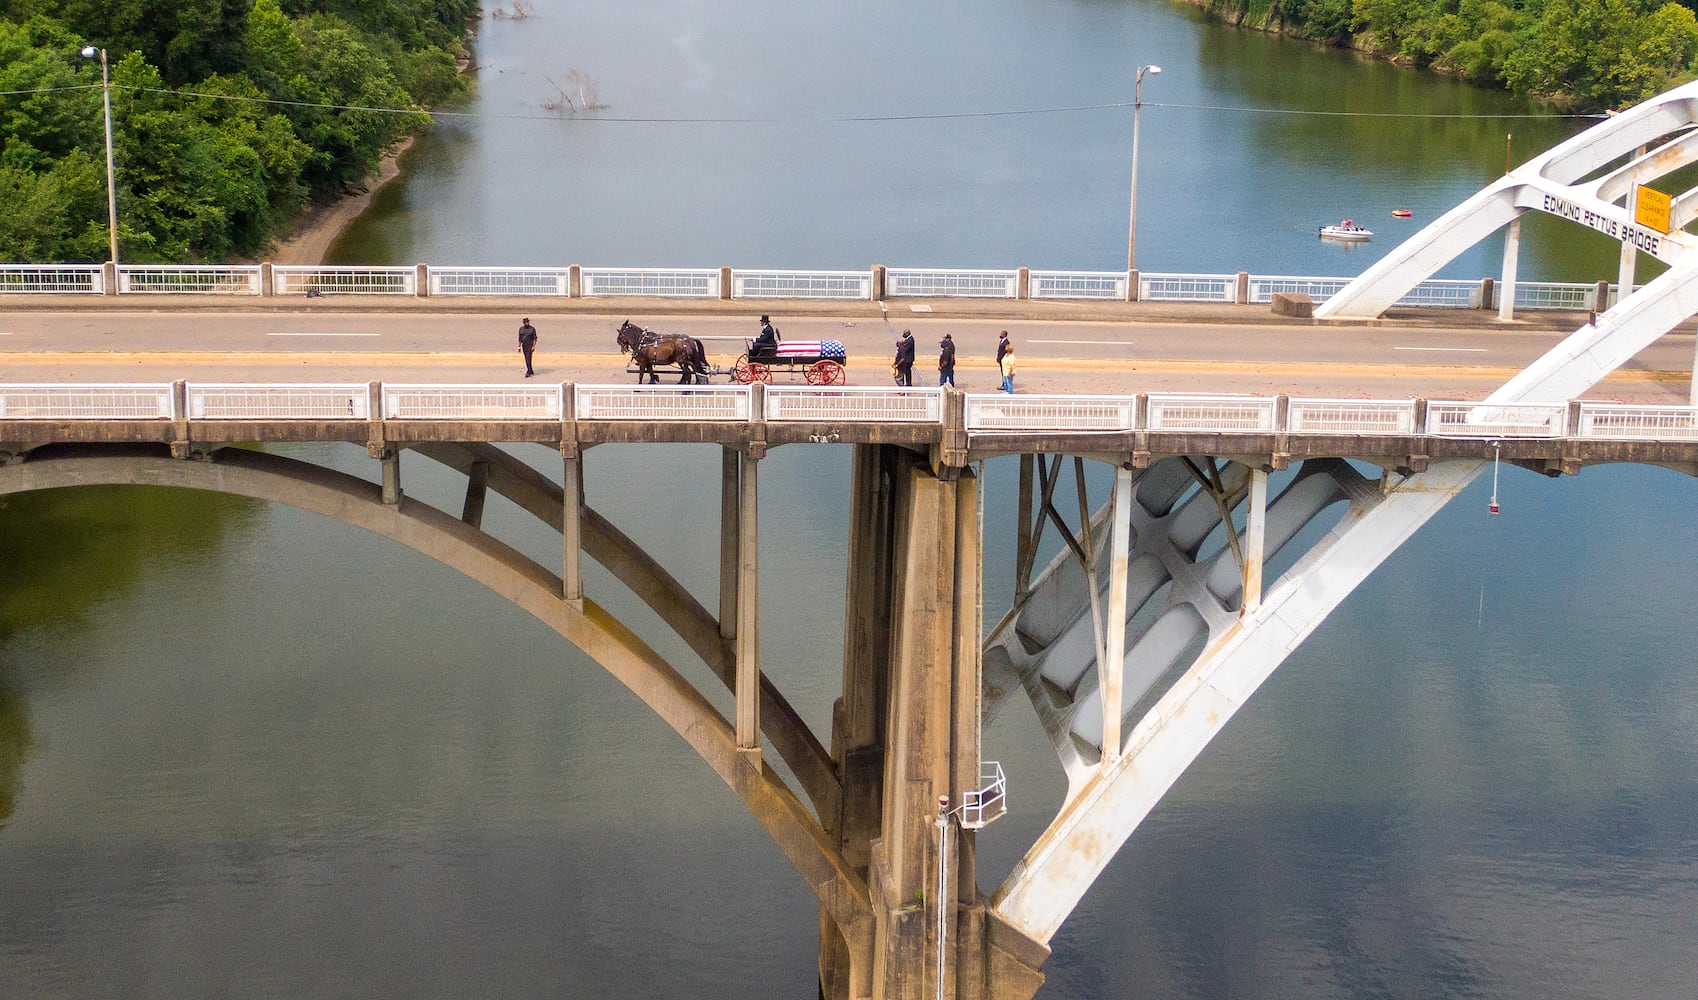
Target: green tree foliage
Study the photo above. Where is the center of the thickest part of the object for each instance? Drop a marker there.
(228, 116)
(1588, 53)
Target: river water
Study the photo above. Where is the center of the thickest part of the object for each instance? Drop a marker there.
(247, 753)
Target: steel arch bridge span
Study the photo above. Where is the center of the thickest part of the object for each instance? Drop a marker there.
(519, 579)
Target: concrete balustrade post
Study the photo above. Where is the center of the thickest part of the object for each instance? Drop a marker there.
(1241, 289)
(878, 282)
(575, 282)
(421, 281)
(109, 278)
(1601, 297)
(1487, 287)
(1133, 278)
(267, 280)
(1023, 284)
(725, 285)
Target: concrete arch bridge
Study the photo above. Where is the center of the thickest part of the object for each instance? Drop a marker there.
(1135, 646)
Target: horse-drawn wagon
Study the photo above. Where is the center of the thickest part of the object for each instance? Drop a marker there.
(821, 362)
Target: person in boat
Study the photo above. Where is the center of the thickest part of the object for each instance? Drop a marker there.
(1347, 224)
(767, 342)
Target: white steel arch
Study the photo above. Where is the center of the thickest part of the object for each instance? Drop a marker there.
(1115, 783)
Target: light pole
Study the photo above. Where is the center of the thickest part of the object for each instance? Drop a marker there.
(1132, 226)
(89, 52)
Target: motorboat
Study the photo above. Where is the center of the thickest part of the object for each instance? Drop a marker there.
(1401, 213)
(1348, 231)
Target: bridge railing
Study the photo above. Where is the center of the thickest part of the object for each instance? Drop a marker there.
(753, 283)
(991, 413)
(52, 279)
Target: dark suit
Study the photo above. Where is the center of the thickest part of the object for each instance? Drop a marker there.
(905, 360)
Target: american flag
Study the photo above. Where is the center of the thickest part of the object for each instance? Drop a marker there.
(832, 349)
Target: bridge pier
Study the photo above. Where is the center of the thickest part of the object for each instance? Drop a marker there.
(906, 736)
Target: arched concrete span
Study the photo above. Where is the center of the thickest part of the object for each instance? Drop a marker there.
(543, 499)
(512, 575)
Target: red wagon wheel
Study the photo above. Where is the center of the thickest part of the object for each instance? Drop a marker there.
(760, 373)
(741, 371)
(825, 373)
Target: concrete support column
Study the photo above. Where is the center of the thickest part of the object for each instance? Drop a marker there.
(1241, 289)
(878, 282)
(267, 280)
(391, 476)
(421, 281)
(725, 285)
(1023, 284)
(1511, 260)
(477, 489)
(109, 278)
(748, 607)
(729, 516)
(1255, 542)
(572, 527)
(575, 281)
(1132, 279)
(1111, 660)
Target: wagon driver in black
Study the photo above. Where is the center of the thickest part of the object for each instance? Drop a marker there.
(527, 343)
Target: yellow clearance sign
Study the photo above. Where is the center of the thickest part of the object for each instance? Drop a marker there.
(1651, 209)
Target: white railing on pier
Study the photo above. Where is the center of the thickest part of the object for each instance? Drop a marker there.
(303, 401)
(854, 404)
(995, 411)
(473, 402)
(1188, 287)
(674, 283)
(1496, 420)
(671, 403)
(1264, 287)
(288, 279)
(1634, 422)
(1177, 412)
(1078, 285)
(946, 283)
(755, 284)
(1444, 293)
(52, 279)
(987, 803)
(514, 281)
(87, 401)
(191, 279)
(1350, 416)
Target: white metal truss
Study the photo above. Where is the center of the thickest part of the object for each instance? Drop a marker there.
(1190, 659)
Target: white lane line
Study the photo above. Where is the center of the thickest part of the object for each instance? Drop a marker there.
(1454, 350)
(1109, 343)
(276, 334)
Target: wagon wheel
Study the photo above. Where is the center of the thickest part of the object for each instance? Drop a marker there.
(741, 371)
(825, 373)
(760, 373)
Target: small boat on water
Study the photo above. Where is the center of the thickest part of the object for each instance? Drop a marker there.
(1401, 213)
(1348, 231)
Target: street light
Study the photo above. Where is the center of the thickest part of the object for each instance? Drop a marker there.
(89, 52)
(1132, 226)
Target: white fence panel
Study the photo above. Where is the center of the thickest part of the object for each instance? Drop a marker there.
(175, 279)
(664, 403)
(473, 402)
(1630, 422)
(751, 284)
(1444, 293)
(1188, 287)
(1078, 285)
(1496, 420)
(1197, 413)
(344, 280)
(995, 411)
(1536, 295)
(912, 282)
(515, 281)
(52, 279)
(1264, 287)
(1350, 416)
(302, 401)
(86, 401)
(854, 404)
(674, 283)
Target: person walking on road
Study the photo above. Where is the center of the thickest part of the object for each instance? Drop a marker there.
(946, 360)
(905, 359)
(527, 343)
(1007, 365)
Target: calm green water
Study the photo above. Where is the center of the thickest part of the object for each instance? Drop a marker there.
(247, 753)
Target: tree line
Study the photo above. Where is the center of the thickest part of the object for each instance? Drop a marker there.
(228, 116)
(1583, 54)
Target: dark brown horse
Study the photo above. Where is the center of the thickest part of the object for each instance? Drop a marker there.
(648, 349)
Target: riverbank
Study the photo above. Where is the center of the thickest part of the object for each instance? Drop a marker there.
(321, 224)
